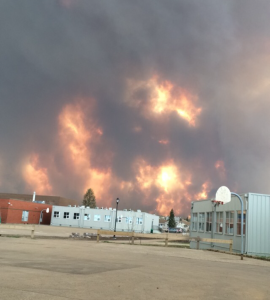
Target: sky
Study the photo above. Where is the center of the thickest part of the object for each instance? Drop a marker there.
(158, 102)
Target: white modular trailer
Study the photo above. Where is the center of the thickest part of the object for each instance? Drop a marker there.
(99, 218)
(210, 220)
(258, 225)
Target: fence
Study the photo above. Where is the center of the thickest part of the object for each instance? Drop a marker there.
(20, 227)
(164, 237)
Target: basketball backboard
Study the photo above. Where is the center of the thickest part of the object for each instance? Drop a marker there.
(223, 195)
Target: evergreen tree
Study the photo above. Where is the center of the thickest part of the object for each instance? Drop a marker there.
(171, 222)
(89, 199)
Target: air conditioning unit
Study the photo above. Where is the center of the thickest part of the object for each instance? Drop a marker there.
(110, 208)
(125, 209)
(139, 210)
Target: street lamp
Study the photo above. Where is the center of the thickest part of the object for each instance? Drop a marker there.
(117, 201)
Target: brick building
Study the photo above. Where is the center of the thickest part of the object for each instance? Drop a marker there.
(23, 212)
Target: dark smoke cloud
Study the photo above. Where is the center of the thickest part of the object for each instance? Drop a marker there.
(55, 51)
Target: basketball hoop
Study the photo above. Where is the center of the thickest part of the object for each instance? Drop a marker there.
(223, 195)
(217, 202)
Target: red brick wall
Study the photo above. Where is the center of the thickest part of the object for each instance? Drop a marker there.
(11, 212)
(3, 210)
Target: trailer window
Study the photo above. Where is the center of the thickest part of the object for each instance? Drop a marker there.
(239, 222)
(201, 221)
(209, 222)
(229, 222)
(194, 221)
(219, 222)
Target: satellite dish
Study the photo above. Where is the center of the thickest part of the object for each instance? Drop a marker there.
(223, 195)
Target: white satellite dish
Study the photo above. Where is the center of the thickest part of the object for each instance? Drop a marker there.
(223, 195)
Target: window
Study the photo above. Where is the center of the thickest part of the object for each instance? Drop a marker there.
(76, 216)
(194, 221)
(119, 219)
(201, 221)
(66, 215)
(139, 221)
(96, 217)
(25, 214)
(219, 222)
(86, 217)
(229, 222)
(239, 222)
(107, 218)
(56, 214)
(209, 222)
(128, 220)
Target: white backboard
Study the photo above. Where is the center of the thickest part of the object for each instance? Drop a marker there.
(223, 194)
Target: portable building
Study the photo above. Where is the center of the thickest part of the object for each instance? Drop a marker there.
(99, 218)
(217, 221)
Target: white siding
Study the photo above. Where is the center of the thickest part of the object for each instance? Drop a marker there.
(131, 216)
(258, 225)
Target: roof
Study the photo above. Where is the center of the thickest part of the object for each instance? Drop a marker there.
(53, 200)
(162, 221)
(185, 222)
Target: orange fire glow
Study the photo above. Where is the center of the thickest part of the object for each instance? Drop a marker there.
(36, 176)
(81, 138)
(204, 192)
(166, 98)
(164, 142)
(166, 178)
(77, 139)
(219, 165)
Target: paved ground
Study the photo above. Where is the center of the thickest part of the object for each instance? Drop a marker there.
(76, 269)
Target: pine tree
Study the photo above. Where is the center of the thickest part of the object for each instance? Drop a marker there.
(171, 222)
(89, 199)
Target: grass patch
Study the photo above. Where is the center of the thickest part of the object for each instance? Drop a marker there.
(262, 257)
(152, 245)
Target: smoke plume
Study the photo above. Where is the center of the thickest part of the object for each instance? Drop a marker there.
(155, 102)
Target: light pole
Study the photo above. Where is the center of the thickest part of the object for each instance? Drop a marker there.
(117, 201)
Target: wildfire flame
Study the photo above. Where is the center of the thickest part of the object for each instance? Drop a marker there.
(36, 176)
(168, 184)
(165, 98)
(204, 192)
(77, 140)
(172, 186)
